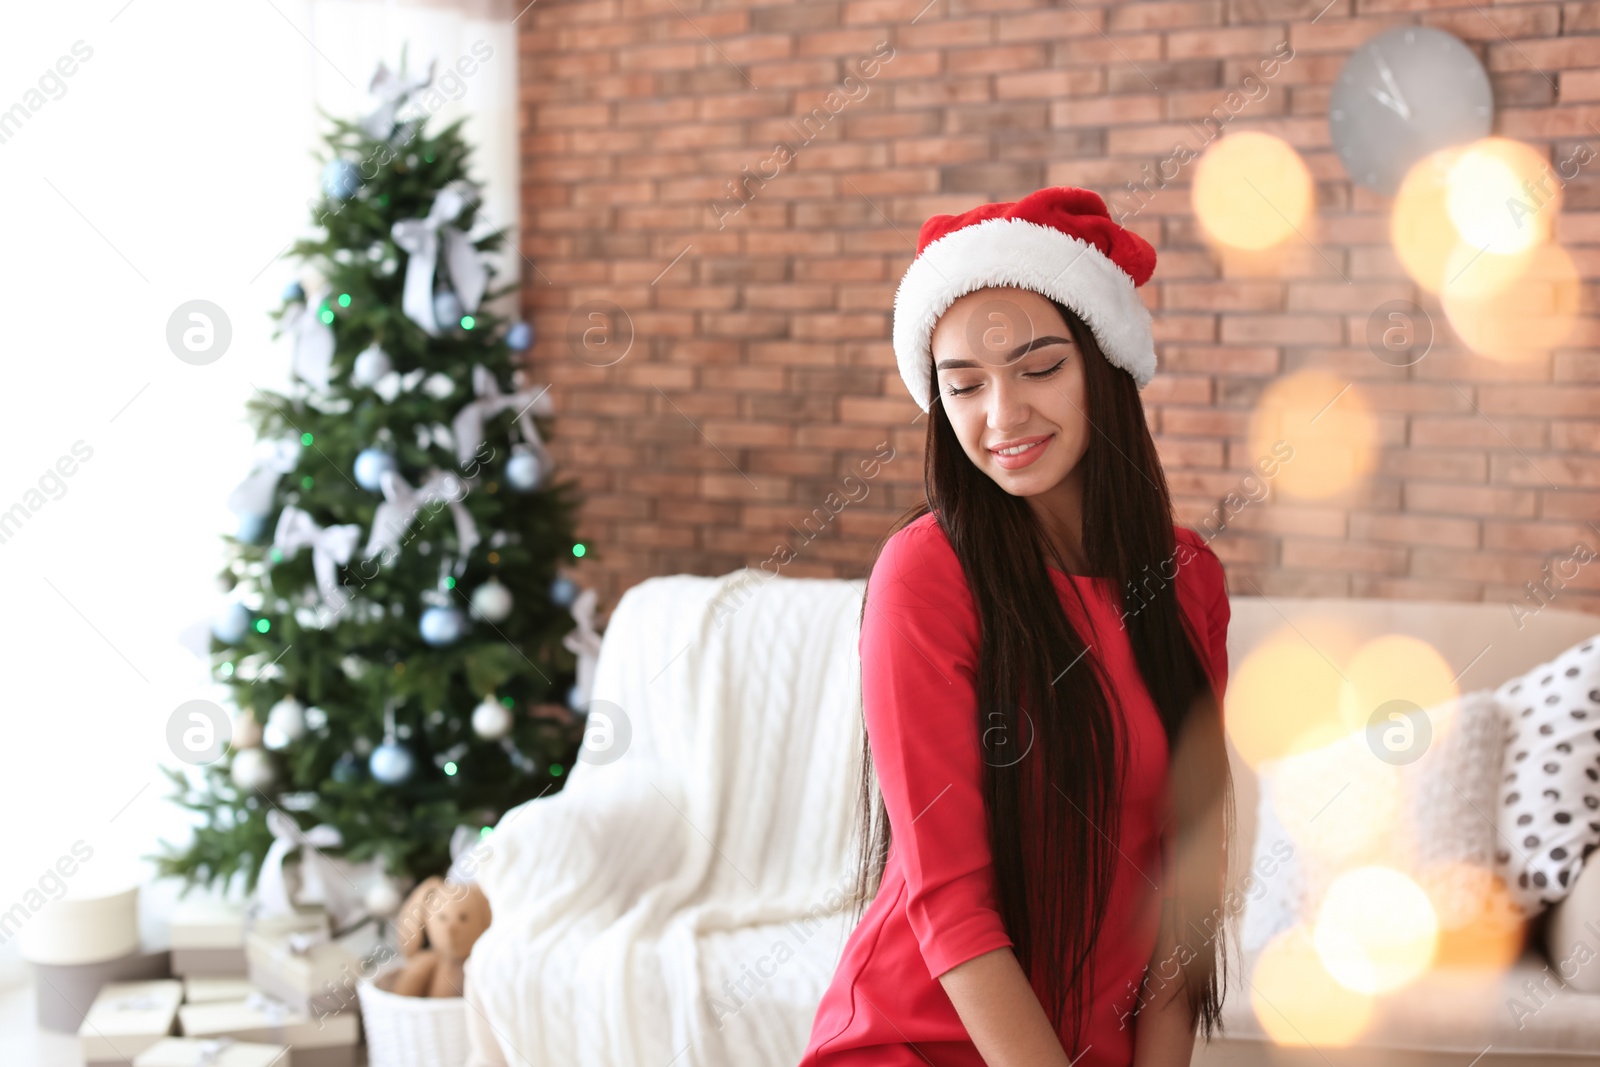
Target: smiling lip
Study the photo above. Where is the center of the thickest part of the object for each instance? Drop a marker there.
(1026, 456)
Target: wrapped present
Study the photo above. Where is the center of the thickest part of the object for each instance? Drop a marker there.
(211, 990)
(313, 972)
(84, 928)
(64, 992)
(211, 1052)
(208, 935)
(127, 1018)
(325, 1041)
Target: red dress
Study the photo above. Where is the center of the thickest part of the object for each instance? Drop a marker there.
(936, 906)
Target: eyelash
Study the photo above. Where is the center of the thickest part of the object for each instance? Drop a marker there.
(1037, 375)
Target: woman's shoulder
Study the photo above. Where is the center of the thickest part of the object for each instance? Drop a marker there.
(918, 556)
(1198, 566)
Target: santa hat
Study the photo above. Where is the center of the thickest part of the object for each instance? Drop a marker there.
(1059, 242)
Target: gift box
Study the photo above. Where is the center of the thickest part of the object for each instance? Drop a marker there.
(211, 990)
(126, 1019)
(208, 935)
(321, 1041)
(84, 928)
(211, 1052)
(64, 992)
(313, 973)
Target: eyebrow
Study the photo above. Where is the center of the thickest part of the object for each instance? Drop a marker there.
(1022, 350)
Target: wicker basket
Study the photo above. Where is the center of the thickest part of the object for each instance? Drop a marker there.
(411, 1031)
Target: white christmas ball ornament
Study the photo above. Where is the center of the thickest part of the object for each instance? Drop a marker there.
(252, 769)
(246, 731)
(492, 601)
(391, 763)
(371, 464)
(491, 720)
(286, 723)
(373, 363)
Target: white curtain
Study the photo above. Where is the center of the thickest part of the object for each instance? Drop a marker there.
(174, 163)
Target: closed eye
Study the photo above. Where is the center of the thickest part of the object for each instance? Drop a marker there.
(1038, 375)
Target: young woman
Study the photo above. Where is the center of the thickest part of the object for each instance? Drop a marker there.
(1043, 663)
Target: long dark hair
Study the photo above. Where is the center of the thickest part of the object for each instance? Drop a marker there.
(1071, 812)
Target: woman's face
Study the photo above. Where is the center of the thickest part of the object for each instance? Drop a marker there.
(1009, 374)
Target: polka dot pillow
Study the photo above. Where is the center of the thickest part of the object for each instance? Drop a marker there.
(1549, 813)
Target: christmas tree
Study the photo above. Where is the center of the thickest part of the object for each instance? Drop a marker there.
(393, 636)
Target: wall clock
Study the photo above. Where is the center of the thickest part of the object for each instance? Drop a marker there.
(1405, 93)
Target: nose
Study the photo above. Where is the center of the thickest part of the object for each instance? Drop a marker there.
(1008, 404)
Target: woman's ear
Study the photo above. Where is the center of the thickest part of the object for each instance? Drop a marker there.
(411, 924)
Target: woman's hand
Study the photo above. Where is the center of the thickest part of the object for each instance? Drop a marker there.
(1002, 1013)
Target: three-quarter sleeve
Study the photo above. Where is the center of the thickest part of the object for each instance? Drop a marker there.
(919, 649)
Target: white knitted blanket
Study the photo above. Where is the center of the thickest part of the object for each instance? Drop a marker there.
(686, 904)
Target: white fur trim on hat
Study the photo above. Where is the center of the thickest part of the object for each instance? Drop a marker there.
(1025, 255)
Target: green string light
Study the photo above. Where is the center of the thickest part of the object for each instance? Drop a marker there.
(307, 482)
(578, 550)
(555, 770)
(263, 625)
(468, 322)
(344, 300)
(326, 314)
(449, 583)
(450, 768)
(305, 439)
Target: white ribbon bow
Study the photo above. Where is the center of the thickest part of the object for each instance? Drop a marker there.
(421, 239)
(313, 343)
(276, 1011)
(584, 642)
(392, 90)
(272, 891)
(468, 423)
(402, 504)
(210, 1049)
(274, 459)
(331, 546)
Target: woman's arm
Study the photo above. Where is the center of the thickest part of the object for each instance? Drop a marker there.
(1163, 1032)
(1002, 1013)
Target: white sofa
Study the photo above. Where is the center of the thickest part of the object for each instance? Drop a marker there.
(682, 904)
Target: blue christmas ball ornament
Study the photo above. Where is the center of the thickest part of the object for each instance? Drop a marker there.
(251, 527)
(346, 769)
(563, 591)
(293, 291)
(340, 179)
(523, 472)
(391, 763)
(442, 626)
(370, 466)
(447, 310)
(231, 623)
(520, 336)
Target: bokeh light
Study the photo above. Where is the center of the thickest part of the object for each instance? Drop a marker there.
(1329, 425)
(1376, 930)
(1252, 190)
(1493, 199)
(1305, 1006)
(1284, 696)
(1397, 667)
(1526, 316)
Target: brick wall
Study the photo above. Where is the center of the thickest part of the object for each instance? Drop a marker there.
(758, 414)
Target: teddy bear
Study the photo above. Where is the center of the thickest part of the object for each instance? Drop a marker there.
(437, 927)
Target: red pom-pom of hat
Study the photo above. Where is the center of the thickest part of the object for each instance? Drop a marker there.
(1060, 242)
